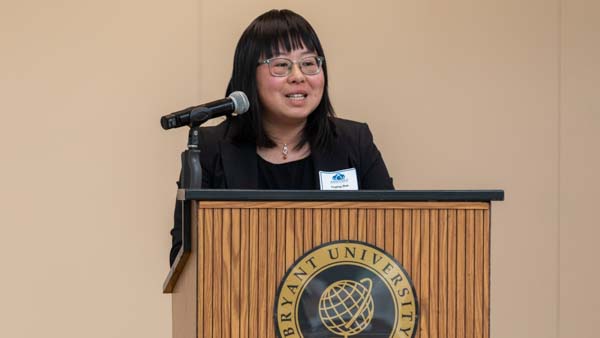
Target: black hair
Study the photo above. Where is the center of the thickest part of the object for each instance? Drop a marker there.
(264, 38)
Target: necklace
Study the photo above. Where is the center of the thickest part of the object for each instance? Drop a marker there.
(284, 151)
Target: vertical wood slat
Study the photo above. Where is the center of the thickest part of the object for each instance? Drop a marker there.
(443, 273)
(262, 272)
(235, 273)
(344, 224)
(253, 276)
(445, 251)
(406, 241)
(460, 273)
(298, 233)
(425, 320)
(281, 247)
(479, 273)
(380, 228)
(353, 224)
(416, 251)
(225, 275)
(433, 274)
(388, 226)
(371, 226)
(208, 272)
(317, 224)
(244, 272)
(308, 230)
(217, 252)
(289, 237)
(470, 274)
(326, 225)
(201, 273)
(451, 321)
(335, 224)
(398, 239)
(271, 258)
(362, 225)
(486, 273)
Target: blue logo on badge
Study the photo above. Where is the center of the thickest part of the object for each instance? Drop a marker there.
(338, 177)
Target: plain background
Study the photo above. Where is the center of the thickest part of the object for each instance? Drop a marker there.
(459, 94)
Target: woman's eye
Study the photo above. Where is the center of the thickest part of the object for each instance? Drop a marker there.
(281, 64)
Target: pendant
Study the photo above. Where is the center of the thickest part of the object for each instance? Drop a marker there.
(284, 151)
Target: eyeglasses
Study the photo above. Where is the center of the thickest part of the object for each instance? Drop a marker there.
(279, 66)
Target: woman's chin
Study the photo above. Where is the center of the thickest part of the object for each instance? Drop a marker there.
(290, 117)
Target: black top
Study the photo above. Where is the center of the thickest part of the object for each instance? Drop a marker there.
(292, 175)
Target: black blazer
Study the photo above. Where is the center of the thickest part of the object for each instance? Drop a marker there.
(230, 165)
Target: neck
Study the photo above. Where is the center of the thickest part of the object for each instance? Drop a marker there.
(281, 134)
(286, 138)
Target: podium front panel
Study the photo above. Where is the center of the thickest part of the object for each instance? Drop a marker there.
(245, 249)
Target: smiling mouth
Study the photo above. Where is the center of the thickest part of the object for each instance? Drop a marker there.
(296, 96)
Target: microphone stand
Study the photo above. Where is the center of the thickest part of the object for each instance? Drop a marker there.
(191, 170)
(191, 178)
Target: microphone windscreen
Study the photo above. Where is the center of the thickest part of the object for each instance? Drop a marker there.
(240, 101)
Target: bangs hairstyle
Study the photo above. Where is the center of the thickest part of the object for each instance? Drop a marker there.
(273, 33)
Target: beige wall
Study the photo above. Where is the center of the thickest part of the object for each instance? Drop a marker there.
(460, 95)
(87, 174)
(579, 167)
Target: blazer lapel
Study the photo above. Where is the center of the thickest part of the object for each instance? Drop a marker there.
(240, 165)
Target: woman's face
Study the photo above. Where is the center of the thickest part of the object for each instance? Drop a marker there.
(289, 99)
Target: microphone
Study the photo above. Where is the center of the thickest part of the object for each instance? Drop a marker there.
(236, 103)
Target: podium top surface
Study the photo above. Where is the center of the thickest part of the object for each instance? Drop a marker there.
(360, 195)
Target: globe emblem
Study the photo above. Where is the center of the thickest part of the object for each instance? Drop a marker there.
(346, 307)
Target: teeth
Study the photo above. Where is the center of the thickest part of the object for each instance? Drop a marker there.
(296, 96)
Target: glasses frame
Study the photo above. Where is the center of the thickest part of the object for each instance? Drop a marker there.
(267, 62)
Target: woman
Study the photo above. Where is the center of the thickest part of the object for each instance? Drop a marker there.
(289, 138)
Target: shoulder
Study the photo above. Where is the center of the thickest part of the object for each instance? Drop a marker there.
(351, 132)
(348, 126)
(211, 139)
(356, 138)
(214, 141)
(215, 133)
(212, 136)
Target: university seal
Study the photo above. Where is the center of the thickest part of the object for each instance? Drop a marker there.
(346, 289)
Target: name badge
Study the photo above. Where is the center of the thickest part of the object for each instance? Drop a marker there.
(344, 179)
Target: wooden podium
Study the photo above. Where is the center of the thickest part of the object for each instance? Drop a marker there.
(238, 245)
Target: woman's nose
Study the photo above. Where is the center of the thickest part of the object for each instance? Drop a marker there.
(296, 74)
